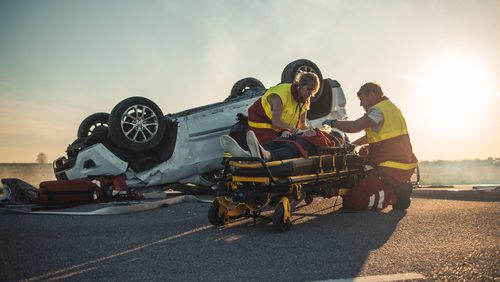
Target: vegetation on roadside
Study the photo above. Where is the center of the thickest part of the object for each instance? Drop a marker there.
(439, 172)
(486, 171)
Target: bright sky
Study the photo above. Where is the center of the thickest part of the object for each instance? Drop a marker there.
(61, 61)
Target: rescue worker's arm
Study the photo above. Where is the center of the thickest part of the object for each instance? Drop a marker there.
(353, 126)
(361, 141)
(277, 108)
(303, 128)
(302, 121)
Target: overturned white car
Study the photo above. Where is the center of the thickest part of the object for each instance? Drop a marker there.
(151, 149)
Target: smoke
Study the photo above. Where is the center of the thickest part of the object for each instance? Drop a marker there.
(460, 172)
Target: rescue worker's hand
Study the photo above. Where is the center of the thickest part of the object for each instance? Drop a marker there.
(328, 122)
(309, 132)
(286, 134)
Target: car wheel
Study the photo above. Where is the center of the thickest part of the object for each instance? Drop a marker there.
(136, 124)
(92, 122)
(302, 65)
(242, 85)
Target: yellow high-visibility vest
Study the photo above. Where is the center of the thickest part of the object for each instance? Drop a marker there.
(394, 125)
(291, 112)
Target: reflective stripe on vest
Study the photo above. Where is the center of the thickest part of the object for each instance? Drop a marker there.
(262, 125)
(398, 165)
(394, 123)
(290, 113)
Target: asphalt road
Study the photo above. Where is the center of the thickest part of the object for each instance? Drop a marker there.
(436, 238)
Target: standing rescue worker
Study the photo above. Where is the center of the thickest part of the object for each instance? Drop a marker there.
(282, 110)
(389, 153)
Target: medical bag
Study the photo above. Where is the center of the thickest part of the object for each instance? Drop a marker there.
(66, 192)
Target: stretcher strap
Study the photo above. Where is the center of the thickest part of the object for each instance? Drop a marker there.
(334, 168)
(321, 164)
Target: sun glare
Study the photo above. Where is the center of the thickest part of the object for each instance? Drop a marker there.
(455, 91)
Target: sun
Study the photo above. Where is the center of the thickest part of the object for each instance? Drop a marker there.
(455, 91)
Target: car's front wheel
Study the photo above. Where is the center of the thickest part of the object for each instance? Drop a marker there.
(136, 124)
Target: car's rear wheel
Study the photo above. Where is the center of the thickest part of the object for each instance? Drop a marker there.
(136, 124)
(302, 65)
(242, 85)
(92, 122)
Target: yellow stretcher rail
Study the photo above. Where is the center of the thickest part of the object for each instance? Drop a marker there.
(334, 175)
(259, 165)
(252, 179)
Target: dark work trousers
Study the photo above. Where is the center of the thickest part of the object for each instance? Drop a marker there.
(287, 150)
(376, 189)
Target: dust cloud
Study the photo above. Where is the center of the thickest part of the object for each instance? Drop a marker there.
(29, 172)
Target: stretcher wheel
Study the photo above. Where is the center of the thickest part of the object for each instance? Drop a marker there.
(213, 214)
(279, 223)
(308, 198)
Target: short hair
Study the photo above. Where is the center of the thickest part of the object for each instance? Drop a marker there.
(371, 87)
(305, 78)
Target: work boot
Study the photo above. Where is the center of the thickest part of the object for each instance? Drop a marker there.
(403, 193)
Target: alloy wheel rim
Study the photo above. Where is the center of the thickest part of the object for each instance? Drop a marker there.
(95, 125)
(305, 68)
(139, 124)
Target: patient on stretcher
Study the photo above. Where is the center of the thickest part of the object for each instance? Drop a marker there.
(283, 148)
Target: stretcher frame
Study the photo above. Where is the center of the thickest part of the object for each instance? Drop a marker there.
(240, 195)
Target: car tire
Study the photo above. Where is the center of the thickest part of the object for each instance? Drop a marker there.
(136, 124)
(92, 122)
(302, 65)
(242, 85)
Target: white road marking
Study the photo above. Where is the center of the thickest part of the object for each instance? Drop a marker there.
(379, 278)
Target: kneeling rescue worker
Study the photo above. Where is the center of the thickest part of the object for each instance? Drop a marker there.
(389, 153)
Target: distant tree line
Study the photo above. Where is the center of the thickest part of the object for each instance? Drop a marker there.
(476, 162)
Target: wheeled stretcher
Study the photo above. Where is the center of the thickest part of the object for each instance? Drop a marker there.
(248, 185)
